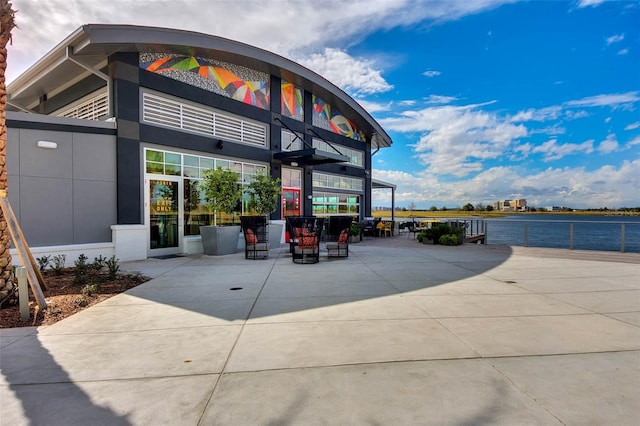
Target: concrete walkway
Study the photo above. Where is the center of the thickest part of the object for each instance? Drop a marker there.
(399, 333)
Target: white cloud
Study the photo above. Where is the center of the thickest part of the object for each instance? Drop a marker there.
(438, 99)
(286, 27)
(456, 140)
(431, 73)
(355, 75)
(541, 114)
(633, 142)
(609, 145)
(611, 186)
(589, 3)
(373, 107)
(607, 120)
(552, 150)
(572, 115)
(633, 126)
(623, 51)
(615, 38)
(612, 100)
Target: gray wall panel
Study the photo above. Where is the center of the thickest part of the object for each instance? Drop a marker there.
(94, 157)
(46, 207)
(41, 162)
(94, 206)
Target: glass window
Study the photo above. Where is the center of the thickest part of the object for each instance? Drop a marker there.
(223, 164)
(156, 156)
(206, 163)
(190, 160)
(156, 168)
(192, 172)
(172, 170)
(170, 158)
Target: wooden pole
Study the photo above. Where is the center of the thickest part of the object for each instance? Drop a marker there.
(23, 250)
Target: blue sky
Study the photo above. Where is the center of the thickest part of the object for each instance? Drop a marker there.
(484, 100)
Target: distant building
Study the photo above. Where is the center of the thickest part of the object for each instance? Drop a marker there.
(518, 205)
(557, 209)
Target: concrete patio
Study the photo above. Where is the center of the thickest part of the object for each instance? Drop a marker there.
(399, 333)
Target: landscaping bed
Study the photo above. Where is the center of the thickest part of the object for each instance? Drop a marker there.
(65, 296)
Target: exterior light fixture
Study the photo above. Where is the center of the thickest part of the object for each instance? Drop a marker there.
(294, 164)
(46, 144)
(309, 197)
(220, 144)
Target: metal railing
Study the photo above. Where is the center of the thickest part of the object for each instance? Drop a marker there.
(607, 235)
(591, 235)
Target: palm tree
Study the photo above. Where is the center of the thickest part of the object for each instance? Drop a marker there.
(7, 24)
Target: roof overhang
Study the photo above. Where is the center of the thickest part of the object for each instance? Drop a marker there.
(92, 44)
(378, 184)
(310, 156)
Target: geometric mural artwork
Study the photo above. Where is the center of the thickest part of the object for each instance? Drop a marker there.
(239, 83)
(248, 86)
(326, 118)
(292, 103)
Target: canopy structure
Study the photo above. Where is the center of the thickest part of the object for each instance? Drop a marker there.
(378, 184)
(310, 156)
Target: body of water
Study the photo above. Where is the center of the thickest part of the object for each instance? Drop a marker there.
(589, 232)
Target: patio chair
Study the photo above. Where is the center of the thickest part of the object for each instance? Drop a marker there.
(306, 235)
(411, 229)
(387, 229)
(338, 236)
(256, 237)
(291, 223)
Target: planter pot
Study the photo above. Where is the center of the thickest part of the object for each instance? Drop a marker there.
(219, 240)
(354, 239)
(276, 233)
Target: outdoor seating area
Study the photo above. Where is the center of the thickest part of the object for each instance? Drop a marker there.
(376, 227)
(338, 236)
(304, 234)
(256, 237)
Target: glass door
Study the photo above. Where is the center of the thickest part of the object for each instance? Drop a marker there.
(165, 215)
(290, 202)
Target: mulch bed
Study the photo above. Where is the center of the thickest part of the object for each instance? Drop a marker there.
(65, 297)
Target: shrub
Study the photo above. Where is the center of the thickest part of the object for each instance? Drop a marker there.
(113, 267)
(43, 262)
(435, 232)
(81, 269)
(90, 289)
(449, 240)
(354, 231)
(58, 263)
(420, 236)
(99, 263)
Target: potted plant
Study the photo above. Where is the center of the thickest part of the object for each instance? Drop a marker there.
(355, 234)
(264, 191)
(222, 192)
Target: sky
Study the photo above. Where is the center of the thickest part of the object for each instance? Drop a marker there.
(484, 100)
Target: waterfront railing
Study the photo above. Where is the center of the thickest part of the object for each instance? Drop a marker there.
(607, 234)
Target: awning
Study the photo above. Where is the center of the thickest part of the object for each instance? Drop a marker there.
(310, 156)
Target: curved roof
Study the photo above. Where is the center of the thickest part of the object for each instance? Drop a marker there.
(94, 43)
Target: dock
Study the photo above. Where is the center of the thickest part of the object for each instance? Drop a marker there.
(475, 239)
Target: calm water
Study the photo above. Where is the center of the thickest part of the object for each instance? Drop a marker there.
(589, 232)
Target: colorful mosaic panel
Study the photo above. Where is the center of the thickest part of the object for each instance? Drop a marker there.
(292, 102)
(327, 119)
(236, 82)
